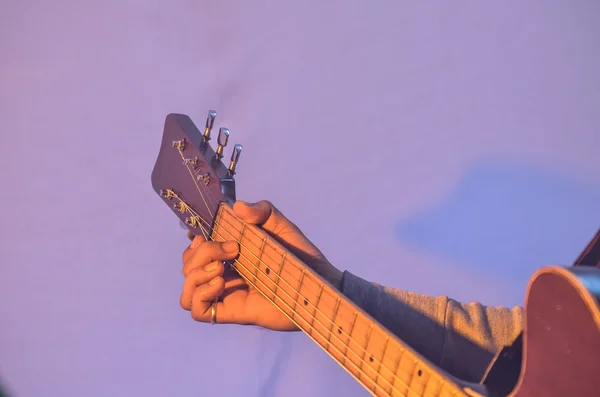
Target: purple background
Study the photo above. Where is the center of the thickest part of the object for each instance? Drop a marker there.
(446, 148)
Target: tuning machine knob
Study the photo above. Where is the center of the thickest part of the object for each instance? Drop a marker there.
(222, 141)
(210, 121)
(235, 157)
(193, 162)
(180, 145)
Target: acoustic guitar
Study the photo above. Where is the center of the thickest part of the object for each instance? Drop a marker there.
(560, 351)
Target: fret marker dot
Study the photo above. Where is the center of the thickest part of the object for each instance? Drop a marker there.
(305, 302)
(268, 271)
(340, 330)
(371, 359)
(419, 372)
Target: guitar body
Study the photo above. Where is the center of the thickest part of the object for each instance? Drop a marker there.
(561, 351)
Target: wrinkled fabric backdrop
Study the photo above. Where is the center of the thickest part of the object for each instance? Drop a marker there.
(446, 148)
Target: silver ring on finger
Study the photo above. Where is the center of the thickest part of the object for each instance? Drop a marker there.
(213, 312)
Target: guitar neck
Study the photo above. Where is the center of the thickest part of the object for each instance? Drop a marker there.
(372, 355)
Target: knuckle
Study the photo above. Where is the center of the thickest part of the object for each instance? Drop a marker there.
(186, 254)
(212, 247)
(187, 282)
(197, 315)
(185, 305)
(198, 257)
(188, 269)
(265, 203)
(195, 278)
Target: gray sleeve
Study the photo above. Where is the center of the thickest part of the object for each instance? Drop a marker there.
(461, 338)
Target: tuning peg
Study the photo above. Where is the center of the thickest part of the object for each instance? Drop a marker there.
(210, 120)
(235, 157)
(222, 141)
(191, 161)
(180, 145)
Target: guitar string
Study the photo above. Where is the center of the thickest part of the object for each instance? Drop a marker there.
(198, 187)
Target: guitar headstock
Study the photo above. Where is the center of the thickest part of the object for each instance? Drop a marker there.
(190, 176)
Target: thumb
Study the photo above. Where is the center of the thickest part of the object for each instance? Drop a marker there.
(264, 214)
(270, 219)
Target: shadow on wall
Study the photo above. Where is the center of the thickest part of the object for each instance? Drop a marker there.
(269, 386)
(506, 221)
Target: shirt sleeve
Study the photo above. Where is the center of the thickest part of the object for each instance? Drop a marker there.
(460, 338)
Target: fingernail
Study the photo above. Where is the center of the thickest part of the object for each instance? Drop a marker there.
(195, 242)
(230, 246)
(211, 266)
(214, 280)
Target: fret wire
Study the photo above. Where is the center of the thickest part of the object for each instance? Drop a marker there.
(395, 373)
(367, 344)
(385, 346)
(242, 230)
(298, 290)
(350, 336)
(283, 258)
(412, 375)
(314, 316)
(362, 360)
(337, 307)
(319, 297)
(260, 254)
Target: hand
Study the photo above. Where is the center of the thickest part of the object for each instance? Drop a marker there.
(207, 279)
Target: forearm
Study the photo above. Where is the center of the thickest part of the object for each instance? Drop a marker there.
(460, 338)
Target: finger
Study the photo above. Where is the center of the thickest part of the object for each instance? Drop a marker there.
(204, 297)
(201, 279)
(187, 253)
(210, 251)
(190, 235)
